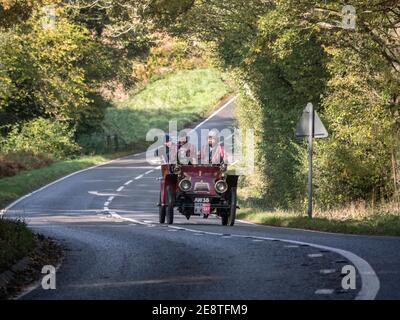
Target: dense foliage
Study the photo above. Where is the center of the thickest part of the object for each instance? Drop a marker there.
(282, 54)
(285, 53)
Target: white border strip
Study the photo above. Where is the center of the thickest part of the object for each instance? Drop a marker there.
(4, 211)
(370, 284)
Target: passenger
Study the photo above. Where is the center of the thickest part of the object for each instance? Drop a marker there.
(164, 151)
(213, 152)
(186, 152)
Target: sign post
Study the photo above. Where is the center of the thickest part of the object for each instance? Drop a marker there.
(310, 156)
(310, 126)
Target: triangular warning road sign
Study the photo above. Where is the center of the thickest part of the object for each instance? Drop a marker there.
(303, 126)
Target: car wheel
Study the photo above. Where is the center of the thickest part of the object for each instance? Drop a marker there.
(224, 218)
(162, 212)
(232, 210)
(223, 214)
(170, 206)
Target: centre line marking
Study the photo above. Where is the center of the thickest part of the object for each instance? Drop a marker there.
(327, 271)
(324, 291)
(110, 199)
(139, 177)
(150, 171)
(120, 189)
(315, 255)
(128, 182)
(370, 283)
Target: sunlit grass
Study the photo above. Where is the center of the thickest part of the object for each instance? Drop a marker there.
(184, 96)
(384, 220)
(26, 181)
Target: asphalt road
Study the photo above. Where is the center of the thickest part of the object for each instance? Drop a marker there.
(107, 219)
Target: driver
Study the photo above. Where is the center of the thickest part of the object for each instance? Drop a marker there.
(186, 152)
(213, 152)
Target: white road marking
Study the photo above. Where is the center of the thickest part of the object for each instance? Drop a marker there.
(110, 199)
(324, 291)
(315, 255)
(12, 204)
(120, 188)
(148, 172)
(117, 216)
(257, 240)
(327, 271)
(199, 125)
(106, 209)
(126, 167)
(247, 222)
(213, 114)
(139, 177)
(369, 280)
(106, 204)
(291, 246)
(128, 183)
(103, 165)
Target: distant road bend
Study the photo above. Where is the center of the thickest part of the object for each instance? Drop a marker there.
(107, 218)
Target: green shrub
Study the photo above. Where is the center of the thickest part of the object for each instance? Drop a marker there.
(8, 168)
(94, 143)
(16, 241)
(41, 136)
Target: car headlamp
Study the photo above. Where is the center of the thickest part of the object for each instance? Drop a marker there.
(221, 186)
(185, 185)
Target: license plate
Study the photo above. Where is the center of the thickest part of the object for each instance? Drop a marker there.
(202, 206)
(206, 208)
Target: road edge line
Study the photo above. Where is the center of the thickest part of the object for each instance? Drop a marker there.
(8, 207)
(370, 283)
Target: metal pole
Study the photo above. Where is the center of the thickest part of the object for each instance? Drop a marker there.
(310, 156)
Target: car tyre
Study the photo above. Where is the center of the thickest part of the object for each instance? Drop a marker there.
(232, 211)
(170, 206)
(162, 212)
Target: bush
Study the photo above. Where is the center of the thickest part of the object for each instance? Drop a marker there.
(8, 168)
(41, 137)
(16, 241)
(27, 160)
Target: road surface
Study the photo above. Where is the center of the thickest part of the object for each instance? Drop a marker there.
(107, 217)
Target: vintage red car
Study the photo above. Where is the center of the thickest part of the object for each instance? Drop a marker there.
(198, 190)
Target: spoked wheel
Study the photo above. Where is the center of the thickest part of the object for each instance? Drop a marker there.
(232, 210)
(162, 212)
(170, 206)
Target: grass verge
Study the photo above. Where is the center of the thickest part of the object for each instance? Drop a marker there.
(379, 223)
(24, 182)
(184, 96)
(16, 241)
